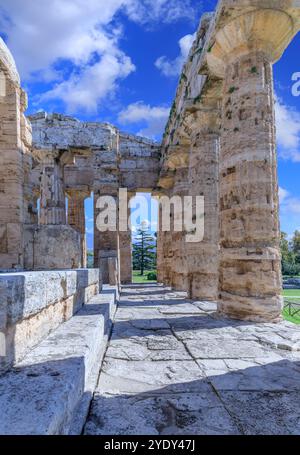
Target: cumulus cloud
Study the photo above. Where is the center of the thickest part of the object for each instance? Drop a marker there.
(154, 118)
(168, 11)
(289, 204)
(174, 67)
(283, 194)
(82, 34)
(84, 90)
(288, 131)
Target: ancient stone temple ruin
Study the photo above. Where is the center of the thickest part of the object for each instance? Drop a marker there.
(56, 315)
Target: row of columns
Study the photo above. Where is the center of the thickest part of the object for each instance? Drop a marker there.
(112, 249)
(233, 165)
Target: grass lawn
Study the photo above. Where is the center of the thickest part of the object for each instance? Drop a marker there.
(291, 295)
(137, 278)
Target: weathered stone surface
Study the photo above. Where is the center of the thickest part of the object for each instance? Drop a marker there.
(226, 92)
(201, 414)
(50, 390)
(265, 413)
(33, 304)
(220, 381)
(15, 164)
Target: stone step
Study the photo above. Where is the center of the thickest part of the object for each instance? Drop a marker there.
(49, 391)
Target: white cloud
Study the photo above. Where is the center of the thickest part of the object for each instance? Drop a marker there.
(83, 34)
(154, 118)
(168, 11)
(174, 67)
(41, 32)
(283, 194)
(289, 204)
(84, 91)
(288, 131)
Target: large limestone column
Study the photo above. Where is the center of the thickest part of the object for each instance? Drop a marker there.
(106, 244)
(125, 250)
(160, 253)
(53, 202)
(14, 155)
(179, 266)
(176, 270)
(165, 253)
(203, 257)
(250, 271)
(76, 218)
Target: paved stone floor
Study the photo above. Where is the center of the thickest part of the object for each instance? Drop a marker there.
(174, 367)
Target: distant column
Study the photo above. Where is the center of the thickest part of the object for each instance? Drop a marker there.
(53, 202)
(203, 256)
(76, 218)
(125, 251)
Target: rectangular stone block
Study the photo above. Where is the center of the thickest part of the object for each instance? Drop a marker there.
(32, 304)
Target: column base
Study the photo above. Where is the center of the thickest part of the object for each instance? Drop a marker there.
(204, 286)
(254, 309)
(108, 266)
(180, 281)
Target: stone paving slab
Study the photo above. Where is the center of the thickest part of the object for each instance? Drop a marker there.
(183, 414)
(122, 377)
(265, 413)
(176, 367)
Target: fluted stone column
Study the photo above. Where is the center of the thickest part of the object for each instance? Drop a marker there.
(203, 256)
(165, 253)
(106, 244)
(15, 140)
(160, 260)
(250, 268)
(125, 251)
(76, 218)
(179, 265)
(53, 203)
(167, 259)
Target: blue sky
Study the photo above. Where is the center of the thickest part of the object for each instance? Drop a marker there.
(119, 60)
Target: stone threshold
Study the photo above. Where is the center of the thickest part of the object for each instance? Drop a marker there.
(49, 391)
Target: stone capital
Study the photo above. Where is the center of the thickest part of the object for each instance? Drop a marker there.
(263, 30)
(80, 194)
(204, 121)
(177, 157)
(50, 156)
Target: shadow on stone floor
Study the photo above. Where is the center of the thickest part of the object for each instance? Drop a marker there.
(149, 291)
(260, 400)
(195, 322)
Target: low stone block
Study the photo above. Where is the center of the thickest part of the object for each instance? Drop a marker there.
(32, 304)
(49, 392)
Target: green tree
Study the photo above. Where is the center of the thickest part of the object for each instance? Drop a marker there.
(144, 250)
(296, 246)
(285, 247)
(290, 252)
(90, 259)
